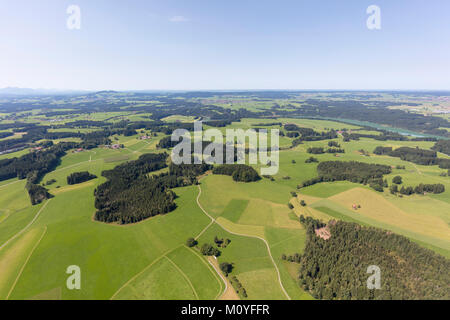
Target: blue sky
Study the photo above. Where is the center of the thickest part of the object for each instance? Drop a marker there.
(232, 44)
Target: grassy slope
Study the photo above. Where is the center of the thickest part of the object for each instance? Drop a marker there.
(103, 251)
(265, 215)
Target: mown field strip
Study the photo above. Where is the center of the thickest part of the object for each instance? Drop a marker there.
(218, 278)
(185, 277)
(27, 226)
(26, 262)
(142, 271)
(74, 165)
(243, 235)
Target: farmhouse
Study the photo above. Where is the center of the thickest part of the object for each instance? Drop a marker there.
(323, 233)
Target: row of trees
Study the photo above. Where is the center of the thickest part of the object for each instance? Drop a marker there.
(353, 171)
(420, 189)
(414, 155)
(321, 150)
(312, 160)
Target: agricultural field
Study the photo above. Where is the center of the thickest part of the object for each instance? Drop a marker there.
(150, 259)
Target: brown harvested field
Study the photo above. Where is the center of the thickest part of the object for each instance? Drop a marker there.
(308, 199)
(375, 206)
(54, 294)
(308, 211)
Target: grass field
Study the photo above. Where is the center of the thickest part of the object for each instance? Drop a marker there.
(257, 214)
(149, 260)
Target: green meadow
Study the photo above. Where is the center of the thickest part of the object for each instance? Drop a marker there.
(149, 260)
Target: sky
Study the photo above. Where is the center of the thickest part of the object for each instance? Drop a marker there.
(225, 45)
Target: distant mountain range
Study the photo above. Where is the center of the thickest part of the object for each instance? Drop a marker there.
(14, 91)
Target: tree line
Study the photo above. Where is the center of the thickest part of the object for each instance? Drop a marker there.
(321, 150)
(414, 155)
(442, 146)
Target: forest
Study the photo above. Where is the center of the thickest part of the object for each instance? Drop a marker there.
(414, 155)
(239, 172)
(442, 146)
(336, 268)
(33, 166)
(353, 171)
(80, 177)
(164, 105)
(130, 195)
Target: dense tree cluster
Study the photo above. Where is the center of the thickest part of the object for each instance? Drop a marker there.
(37, 193)
(337, 268)
(333, 144)
(312, 160)
(321, 150)
(414, 155)
(353, 171)
(130, 195)
(191, 242)
(397, 180)
(384, 136)
(221, 243)
(307, 134)
(239, 172)
(33, 166)
(6, 134)
(420, 189)
(442, 146)
(335, 150)
(226, 268)
(209, 250)
(80, 177)
(293, 134)
(315, 150)
(166, 143)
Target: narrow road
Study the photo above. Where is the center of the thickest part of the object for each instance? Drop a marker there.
(221, 277)
(8, 184)
(243, 235)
